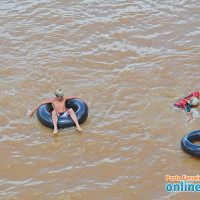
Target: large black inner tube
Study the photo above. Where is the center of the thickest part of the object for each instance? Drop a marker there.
(79, 107)
(188, 146)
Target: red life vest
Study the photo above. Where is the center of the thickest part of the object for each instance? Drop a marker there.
(181, 103)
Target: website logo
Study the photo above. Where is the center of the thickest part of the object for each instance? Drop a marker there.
(185, 183)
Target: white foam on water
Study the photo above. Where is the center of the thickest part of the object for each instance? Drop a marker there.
(28, 112)
(195, 113)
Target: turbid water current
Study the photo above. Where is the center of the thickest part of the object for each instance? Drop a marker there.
(131, 60)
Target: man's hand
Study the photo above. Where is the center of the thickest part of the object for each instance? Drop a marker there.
(31, 113)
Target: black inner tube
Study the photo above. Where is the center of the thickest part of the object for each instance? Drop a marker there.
(194, 138)
(187, 143)
(79, 107)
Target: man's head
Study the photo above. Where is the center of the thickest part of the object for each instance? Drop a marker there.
(59, 93)
(194, 102)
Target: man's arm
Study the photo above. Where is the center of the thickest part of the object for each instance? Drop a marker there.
(44, 102)
(188, 109)
(190, 116)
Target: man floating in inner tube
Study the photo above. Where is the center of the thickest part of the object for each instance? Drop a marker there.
(59, 109)
(191, 101)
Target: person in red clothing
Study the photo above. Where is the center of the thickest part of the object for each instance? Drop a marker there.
(189, 102)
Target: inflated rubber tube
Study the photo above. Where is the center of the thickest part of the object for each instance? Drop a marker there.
(79, 107)
(188, 146)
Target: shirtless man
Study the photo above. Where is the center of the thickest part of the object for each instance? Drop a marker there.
(58, 104)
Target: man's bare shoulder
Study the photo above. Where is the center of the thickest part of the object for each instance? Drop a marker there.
(65, 98)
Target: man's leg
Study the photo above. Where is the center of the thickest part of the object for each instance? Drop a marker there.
(55, 121)
(72, 114)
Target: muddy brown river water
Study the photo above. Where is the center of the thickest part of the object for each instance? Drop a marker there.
(131, 60)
